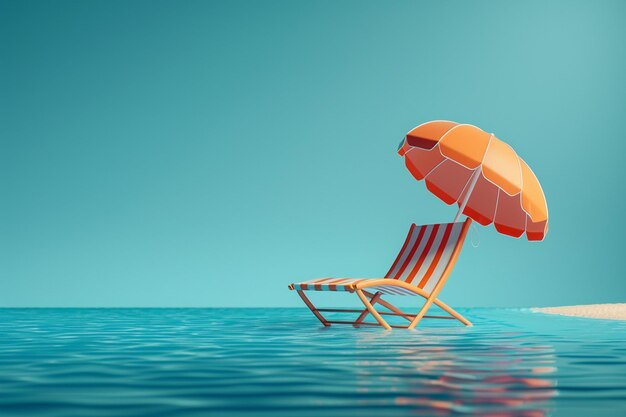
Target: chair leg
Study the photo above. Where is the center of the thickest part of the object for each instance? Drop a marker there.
(372, 311)
(311, 307)
(453, 312)
(419, 315)
(391, 307)
(373, 299)
(437, 302)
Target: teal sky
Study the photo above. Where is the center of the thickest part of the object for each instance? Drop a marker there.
(196, 153)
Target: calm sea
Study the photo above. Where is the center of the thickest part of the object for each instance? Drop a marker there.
(280, 362)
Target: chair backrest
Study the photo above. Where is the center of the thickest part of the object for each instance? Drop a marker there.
(426, 252)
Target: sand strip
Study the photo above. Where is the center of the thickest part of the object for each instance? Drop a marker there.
(593, 311)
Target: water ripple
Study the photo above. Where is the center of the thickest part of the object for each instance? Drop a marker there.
(280, 362)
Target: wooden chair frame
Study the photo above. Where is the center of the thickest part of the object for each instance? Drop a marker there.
(369, 299)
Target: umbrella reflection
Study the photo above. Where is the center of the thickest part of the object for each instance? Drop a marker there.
(446, 373)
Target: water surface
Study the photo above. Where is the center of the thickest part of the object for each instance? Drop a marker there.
(281, 362)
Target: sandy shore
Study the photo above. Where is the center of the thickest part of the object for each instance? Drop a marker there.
(594, 311)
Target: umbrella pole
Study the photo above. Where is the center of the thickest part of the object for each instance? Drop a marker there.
(472, 184)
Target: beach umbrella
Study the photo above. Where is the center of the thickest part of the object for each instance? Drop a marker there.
(483, 175)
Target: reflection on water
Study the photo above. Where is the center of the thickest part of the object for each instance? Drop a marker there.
(436, 373)
(280, 362)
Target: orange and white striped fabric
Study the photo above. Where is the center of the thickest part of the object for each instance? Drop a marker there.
(425, 254)
(463, 164)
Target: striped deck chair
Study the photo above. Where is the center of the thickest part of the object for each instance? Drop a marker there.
(420, 269)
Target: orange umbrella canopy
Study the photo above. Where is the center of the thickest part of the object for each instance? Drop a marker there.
(491, 184)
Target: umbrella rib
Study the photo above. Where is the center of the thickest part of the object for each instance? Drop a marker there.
(445, 158)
